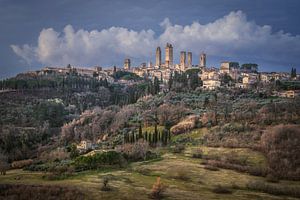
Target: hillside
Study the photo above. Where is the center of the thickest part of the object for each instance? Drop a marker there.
(113, 141)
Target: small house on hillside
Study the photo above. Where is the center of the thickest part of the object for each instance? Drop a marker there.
(85, 145)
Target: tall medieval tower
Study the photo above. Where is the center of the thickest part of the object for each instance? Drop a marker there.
(190, 61)
(158, 57)
(169, 55)
(127, 64)
(182, 59)
(203, 60)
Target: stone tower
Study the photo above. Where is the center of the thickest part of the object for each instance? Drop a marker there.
(203, 60)
(169, 55)
(182, 59)
(127, 64)
(190, 61)
(158, 57)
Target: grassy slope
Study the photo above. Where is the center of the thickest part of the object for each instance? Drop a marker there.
(135, 182)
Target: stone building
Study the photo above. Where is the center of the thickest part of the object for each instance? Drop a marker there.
(158, 57)
(169, 56)
(226, 67)
(85, 145)
(211, 84)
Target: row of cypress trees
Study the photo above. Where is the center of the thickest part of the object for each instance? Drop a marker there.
(153, 138)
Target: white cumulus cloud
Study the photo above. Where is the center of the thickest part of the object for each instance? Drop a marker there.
(232, 36)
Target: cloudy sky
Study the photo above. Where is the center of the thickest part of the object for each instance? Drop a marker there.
(36, 33)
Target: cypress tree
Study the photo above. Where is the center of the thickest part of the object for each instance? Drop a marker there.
(130, 138)
(146, 136)
(163, 140)
(140, 131)
(156, 85)
(133, 137)
(155, 134)
(159, 136)
(150, 138)
(170, 83)
(124, 139)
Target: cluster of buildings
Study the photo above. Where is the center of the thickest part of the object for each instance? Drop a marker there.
(239, 76)
(163, 70)
(96, 72)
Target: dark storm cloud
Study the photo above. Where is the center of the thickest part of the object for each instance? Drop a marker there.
(21, 22)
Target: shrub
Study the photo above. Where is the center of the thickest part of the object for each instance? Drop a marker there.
(236, 127)
(105, 186)
(235, 186)
(59, 171)
(186, 125)
(211, 168)
(110, 158)
(137, 151)
(197, 153)
(55, 155)
(293, 191)
(3, 168)
(157, 189)
(21, 191)
(220, 138)
(21, 163)
(271, 178)
(281, 146)
(38, 167)
(179, 148)
(255, 171)
(143, 171)
(219, 189)
(178, 172)
(204, 162)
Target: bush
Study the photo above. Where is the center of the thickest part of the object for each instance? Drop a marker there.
(293, 191)
(137, 151)
(179, 148)
(143, 171)
(42, 167)
(271, 178)
(255, 171)
(55, 155)
(157, 189)
(21, 163)
(110, 158)
(219, 189)
(4, 166)
(105, 186)
(186, 125)
(179, 172)
(281, 146)
(21, 191)
(59, 171)
(236, 127)
(211, 168)
(197, 153)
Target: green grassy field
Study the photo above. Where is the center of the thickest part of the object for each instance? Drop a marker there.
(184, 177)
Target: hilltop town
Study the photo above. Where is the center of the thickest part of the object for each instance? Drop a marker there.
(229, 74)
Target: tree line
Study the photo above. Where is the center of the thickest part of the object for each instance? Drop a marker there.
(152, 137)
